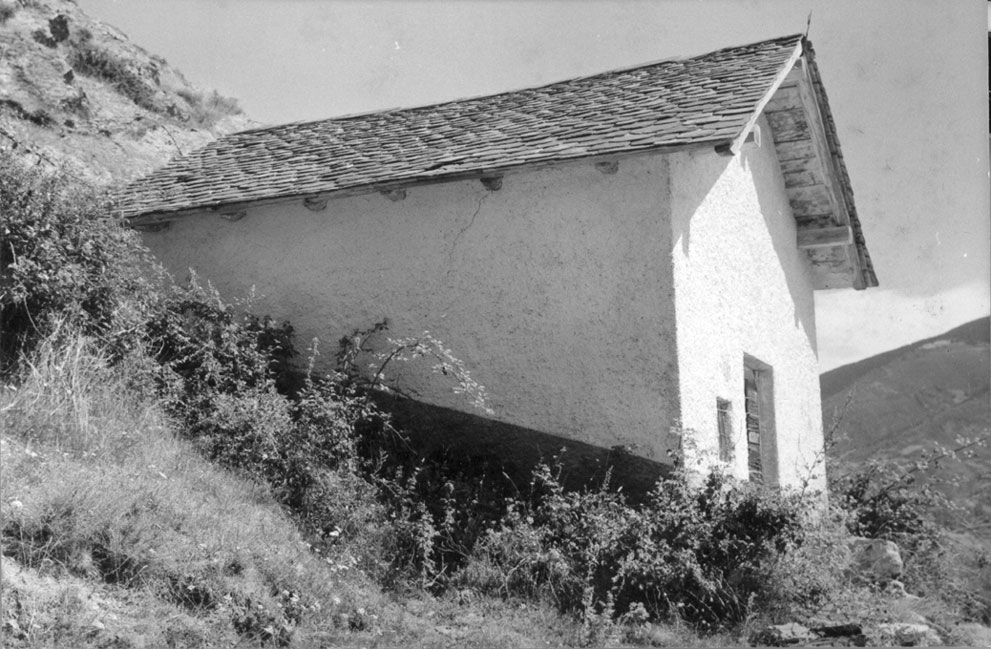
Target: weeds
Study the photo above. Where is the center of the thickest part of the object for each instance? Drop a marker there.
(64, 400)
(702, 556)
(63, 258)
(93, 60)
(206, 109)
(904, 502)
(96, 489)
(147, 514)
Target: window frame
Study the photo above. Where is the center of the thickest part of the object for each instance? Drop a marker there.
(767, 445)
(724, 427)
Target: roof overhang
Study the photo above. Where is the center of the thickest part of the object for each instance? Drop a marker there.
(816, 179)
(804, 136)
(157, 219)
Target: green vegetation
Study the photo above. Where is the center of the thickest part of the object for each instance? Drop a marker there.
(902, 502)
(142, 85)
(162, 455)
(105, 493)
(65, 260)
(95, 61)
(206, 109)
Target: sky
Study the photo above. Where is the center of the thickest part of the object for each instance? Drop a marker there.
(906, 81)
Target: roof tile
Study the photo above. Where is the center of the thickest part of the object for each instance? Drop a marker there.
(666, 104)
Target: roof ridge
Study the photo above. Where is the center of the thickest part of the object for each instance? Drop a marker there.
(458, 100)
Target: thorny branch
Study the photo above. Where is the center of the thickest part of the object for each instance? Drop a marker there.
(408, 349)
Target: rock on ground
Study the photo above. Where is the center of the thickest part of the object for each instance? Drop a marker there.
(875, 560)
(901, 634)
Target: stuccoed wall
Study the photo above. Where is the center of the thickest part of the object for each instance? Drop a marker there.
(742, 287)
(556, 291)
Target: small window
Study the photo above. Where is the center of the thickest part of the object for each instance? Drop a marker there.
(758, 393)
(724, 417)
(752, 402)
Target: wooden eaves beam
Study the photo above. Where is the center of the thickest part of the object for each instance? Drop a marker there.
(841, 235)
(395, 190)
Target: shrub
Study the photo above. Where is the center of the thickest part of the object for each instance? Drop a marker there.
(41, 36)
(903, 501)
(213, 346)
(221, 105)
(698, 554)
(438, 508)
(64, 258)
(355, 350)
(94, 61)
(226, 375)
(95, 487)
(885, 501)
(218, 374)
(82, 34)
(206, 109)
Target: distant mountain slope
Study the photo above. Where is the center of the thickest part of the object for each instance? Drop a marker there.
(76, 92)
(904, 400)
(842, 378)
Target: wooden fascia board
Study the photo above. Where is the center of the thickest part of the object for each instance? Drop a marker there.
(817, 131)
(863, 276)
(830, 281)
(825, 237)
(814, 111)
(392, 185)
(741, 137)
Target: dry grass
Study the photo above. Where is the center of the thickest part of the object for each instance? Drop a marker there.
(95, 488)
(116, 533)
(208, 108)
(68, 401)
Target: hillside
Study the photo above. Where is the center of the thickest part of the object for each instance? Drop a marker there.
(116, 533)
(167, 482)
(902, 401)
(842, 378)
(76, 92)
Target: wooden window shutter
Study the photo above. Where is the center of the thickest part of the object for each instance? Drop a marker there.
(752, 403)
(724, 418)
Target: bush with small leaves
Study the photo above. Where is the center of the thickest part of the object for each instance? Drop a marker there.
(95, 61)
(65, 258)
(700, 554)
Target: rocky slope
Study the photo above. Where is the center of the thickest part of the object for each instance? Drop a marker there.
(75, 92)
(901, 402)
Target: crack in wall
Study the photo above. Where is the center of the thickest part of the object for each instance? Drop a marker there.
(457, 237)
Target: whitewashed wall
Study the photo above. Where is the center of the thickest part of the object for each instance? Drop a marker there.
(556, 290)
(743, 288)
(562, 292)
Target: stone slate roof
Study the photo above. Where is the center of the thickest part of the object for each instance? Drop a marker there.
(704, 100)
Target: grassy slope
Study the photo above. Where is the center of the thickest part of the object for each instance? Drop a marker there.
(117, 534)
(90, 99)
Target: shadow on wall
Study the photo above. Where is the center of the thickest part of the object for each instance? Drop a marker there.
(705, 175)
(786, 245)
(686, 199)
(515, 450)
